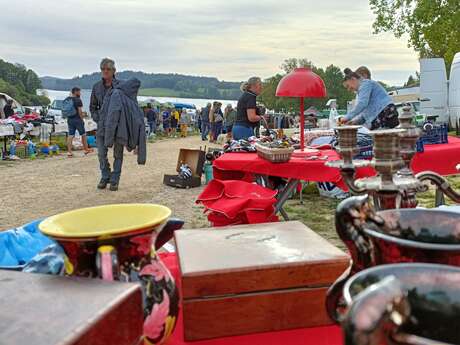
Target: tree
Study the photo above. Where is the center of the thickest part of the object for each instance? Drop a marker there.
(413, 81)
(21, 84)
(433, 26)
(332, 77)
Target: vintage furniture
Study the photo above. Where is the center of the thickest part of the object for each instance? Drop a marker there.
(403, 304)
(51, 310)
(249, 279)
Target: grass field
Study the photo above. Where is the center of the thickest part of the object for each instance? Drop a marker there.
(160, 92)
(318, 212)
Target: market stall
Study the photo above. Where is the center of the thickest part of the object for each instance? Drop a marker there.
(441, 159)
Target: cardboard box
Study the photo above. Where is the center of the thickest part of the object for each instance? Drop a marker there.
(255, 278)
(195, 160)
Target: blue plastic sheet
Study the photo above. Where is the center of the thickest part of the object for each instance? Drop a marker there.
(18, 246)
(51, 260)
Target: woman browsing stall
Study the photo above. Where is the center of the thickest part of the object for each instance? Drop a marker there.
(374, 108)
(246, 116)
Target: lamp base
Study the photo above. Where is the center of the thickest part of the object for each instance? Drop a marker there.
(305, 153)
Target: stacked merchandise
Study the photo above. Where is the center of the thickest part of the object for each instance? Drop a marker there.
(238, 202)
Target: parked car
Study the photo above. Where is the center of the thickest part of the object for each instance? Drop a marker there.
(55, 108)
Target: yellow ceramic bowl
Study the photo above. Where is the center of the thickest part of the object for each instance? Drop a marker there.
(104, 221)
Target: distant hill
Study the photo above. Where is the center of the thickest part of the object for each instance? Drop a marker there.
(159, 85)
(21, 83)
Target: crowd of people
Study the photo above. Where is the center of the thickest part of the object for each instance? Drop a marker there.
(212, 121)
(374, 109)
(168, 121)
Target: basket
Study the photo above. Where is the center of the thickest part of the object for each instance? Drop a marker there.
(274, 155)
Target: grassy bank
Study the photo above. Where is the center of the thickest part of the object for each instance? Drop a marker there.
(160, 92)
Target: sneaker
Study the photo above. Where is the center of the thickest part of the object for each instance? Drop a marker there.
(113, 186)
(102, 184)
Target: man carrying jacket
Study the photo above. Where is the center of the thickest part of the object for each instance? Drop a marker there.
(100, 89)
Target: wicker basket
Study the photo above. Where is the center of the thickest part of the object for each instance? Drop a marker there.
(274, 155)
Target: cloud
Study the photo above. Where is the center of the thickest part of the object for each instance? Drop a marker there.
(228, 39)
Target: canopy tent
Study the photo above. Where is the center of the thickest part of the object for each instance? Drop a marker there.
(183, 105)
(152, 101)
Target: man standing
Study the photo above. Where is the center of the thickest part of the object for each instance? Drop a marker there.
(205, 125)
(151, 119)
(75, 122)
(98, 94)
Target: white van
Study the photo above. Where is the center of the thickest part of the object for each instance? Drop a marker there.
(439, 96)
(454, 92)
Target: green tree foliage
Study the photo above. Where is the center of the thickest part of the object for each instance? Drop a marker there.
(433, 26)
(413, 81)
(332, 77)
(21, 83)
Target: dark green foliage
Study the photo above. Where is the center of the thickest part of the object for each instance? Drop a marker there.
(332, 76)
(20, 83)
(432, 26)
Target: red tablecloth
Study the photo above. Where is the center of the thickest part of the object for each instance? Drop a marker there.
(441, 158)
(309, 336)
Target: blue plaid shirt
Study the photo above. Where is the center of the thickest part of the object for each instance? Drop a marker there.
(372, 99)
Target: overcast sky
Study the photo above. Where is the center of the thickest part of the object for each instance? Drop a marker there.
(229, 39)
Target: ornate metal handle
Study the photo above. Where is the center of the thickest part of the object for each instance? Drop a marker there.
(376, 314)
(350, 217)
(441, 183)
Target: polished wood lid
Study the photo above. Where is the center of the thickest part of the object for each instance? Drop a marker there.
(256, 258)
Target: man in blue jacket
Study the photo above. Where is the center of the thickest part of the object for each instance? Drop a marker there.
(98, 94)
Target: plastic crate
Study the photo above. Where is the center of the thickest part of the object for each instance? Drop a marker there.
(437, 135)
(419, 146)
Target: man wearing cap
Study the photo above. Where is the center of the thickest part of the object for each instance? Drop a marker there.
(98, 93)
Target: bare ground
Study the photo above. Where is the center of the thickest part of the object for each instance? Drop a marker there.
(44, 187)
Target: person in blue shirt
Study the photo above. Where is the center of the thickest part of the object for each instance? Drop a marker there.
(166, 115)
(374, 108)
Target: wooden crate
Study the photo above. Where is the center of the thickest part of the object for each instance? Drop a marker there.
(255, 278)
(49, 310)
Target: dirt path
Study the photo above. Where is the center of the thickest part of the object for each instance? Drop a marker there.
(43, 187)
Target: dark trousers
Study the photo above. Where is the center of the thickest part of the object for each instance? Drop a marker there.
(107, 175)
(216, 129)
(205, 127)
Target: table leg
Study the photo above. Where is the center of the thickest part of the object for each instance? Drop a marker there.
(283, 196)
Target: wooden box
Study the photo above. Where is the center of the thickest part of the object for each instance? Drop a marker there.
(195, 160)
(49, 310)
(255, 278)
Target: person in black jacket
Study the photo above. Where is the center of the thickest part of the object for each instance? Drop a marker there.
(246, 117)
(8, 109)
(100, 89)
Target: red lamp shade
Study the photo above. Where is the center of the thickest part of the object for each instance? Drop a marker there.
(301, 82)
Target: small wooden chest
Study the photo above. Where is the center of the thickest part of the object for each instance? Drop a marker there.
(50, 310)
(255, 278)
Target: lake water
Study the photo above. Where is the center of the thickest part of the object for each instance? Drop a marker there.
(86, 94)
